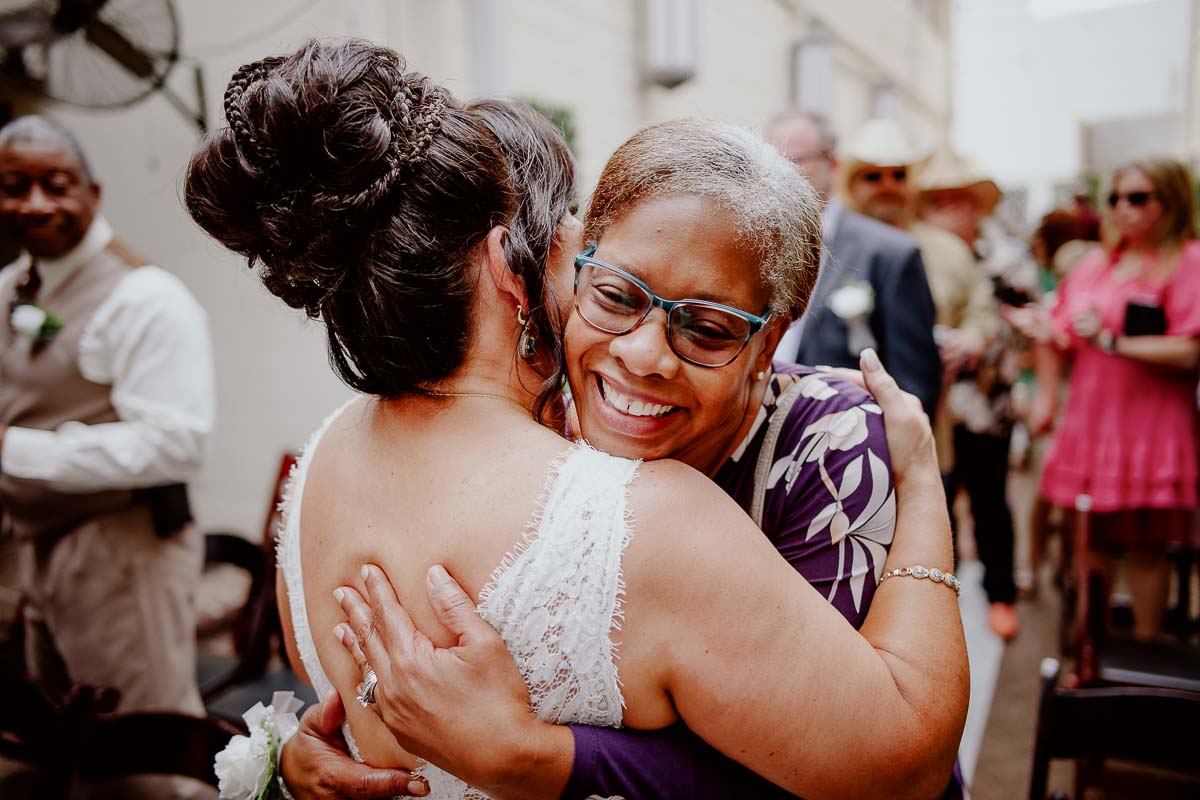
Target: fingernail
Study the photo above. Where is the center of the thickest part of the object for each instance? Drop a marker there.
(365, 572)
(340, 632)
(439, 576)
(824, 367)
(870, 360)
(418, 787)
(339, 593)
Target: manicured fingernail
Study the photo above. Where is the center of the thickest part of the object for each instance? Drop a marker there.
(418, 787)
(870, 360)
(824, 367)
(340, 632)
(365, 572)
(339, 593)
(438, 575)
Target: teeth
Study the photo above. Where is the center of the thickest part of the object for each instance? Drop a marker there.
(634, 408)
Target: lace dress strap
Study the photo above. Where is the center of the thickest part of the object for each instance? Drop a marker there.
(556, 598)
(287, 554)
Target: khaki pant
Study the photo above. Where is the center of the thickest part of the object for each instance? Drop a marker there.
(112, 604)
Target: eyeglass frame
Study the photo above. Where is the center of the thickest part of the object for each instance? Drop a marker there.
(757, 323)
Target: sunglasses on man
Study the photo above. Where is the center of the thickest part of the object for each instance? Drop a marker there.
(899, 175)
(1135, 199)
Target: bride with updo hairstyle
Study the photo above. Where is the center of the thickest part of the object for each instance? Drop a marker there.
(368, 197)
(361, 191)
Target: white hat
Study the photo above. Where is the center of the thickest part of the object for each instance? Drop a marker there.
(882, 142)
(948, 170)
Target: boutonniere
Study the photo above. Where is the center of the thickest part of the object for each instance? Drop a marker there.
(35, 324)
(853, 303)
(853, 300)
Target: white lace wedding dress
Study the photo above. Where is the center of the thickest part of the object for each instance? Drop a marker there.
(555, 597)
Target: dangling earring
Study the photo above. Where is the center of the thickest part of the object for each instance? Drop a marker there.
(527, 344)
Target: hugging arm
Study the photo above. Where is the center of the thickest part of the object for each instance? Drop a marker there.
(814, 691)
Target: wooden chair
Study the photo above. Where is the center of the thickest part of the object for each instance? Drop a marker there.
(232, 685)
(80, 741)
(1103, 658)
(1149, 726)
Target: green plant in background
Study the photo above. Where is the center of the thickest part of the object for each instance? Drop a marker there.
(561, 117)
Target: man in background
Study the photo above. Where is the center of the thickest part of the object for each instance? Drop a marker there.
(871, 290)
(106, 406)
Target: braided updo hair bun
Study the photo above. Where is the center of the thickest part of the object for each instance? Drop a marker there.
(360, 190)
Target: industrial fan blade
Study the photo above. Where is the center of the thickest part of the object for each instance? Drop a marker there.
(119, 48)
(27, 26)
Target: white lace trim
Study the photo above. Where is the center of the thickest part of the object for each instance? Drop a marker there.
(287, 555)
(556, 597)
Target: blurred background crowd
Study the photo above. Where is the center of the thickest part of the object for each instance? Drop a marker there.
(1009, 214)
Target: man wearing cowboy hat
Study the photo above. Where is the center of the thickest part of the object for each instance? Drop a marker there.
(877, 177)
(958, 198)
(871, 290)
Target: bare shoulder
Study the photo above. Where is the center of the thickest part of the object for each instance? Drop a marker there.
(683, 522)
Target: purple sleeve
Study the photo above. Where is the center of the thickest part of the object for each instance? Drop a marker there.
(668, 763)
(830, 511)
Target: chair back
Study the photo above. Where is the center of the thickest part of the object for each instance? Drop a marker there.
(1147, 725)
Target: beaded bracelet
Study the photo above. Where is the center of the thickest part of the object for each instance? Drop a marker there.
(921, 571)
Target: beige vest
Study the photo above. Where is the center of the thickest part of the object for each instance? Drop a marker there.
(46, 389)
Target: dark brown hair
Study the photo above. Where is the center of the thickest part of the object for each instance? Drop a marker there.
(1056, 229)
(542, 173)
(362, 192)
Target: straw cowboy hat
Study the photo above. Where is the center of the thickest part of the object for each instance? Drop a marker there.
(947, 171)
(882, 142)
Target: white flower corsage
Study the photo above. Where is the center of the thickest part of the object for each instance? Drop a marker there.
(853, 303)
(247, 767)
(34, 324)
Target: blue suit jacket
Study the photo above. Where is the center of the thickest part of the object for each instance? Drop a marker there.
(865, 249)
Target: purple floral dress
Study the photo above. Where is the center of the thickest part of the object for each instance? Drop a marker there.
(830, 509)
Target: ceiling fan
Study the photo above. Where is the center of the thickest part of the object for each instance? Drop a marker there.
(101, 54)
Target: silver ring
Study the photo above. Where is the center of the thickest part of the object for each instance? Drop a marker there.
(366, 689)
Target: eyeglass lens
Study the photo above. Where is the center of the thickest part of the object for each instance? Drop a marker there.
(698, 333)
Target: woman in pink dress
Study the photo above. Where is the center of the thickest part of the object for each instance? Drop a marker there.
(1128, 320)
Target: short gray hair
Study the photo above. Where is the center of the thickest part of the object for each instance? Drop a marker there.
(776, 209)
(826, 138)
(36, 129)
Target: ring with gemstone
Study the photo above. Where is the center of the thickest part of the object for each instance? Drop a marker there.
(366, 689)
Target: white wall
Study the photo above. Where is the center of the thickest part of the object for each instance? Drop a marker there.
(1023, 84)
(274, 383)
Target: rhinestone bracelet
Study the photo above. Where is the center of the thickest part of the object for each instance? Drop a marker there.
(922, 571)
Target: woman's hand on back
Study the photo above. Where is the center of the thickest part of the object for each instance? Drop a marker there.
(909, 433)
(441, 703)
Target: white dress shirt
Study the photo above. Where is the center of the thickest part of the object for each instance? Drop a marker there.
(149, 341)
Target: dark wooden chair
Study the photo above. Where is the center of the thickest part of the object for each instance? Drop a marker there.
(231, 685)
(1150, 726)
(79, 740)
(1105, 658)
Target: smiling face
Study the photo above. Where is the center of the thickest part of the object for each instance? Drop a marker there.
(635, 397)
(47, 200)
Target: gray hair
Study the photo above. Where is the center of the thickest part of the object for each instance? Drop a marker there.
(776, 209)
(36, 129)
(826, 138)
